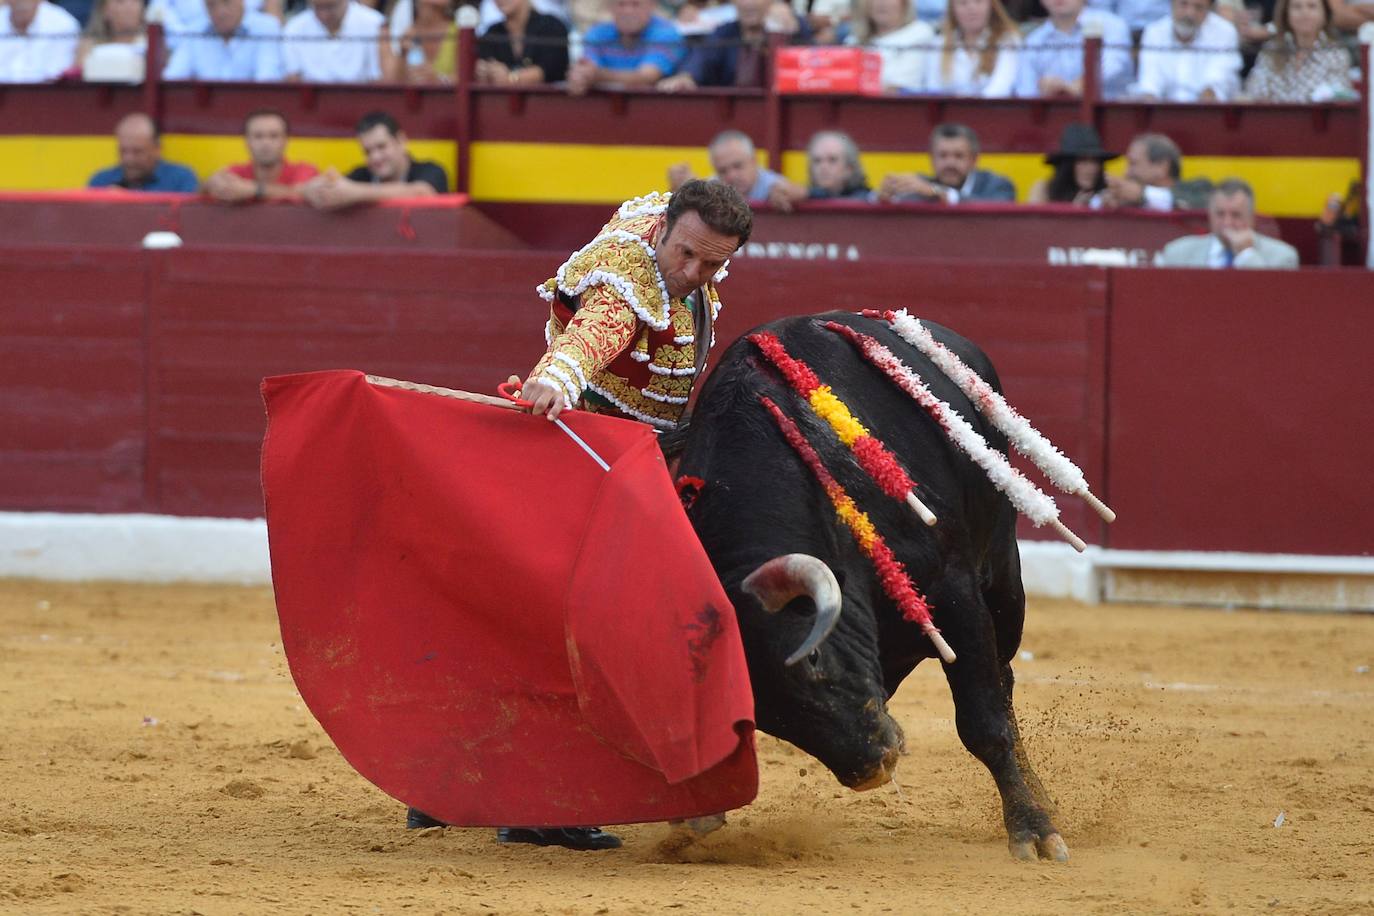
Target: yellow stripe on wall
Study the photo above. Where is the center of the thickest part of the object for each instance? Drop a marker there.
(575, 172)
(587, 173)
(1284, 185)
(62, 163)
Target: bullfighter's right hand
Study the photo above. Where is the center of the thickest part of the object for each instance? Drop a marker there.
(544, 398)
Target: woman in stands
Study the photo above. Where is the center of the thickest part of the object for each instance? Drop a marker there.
(428, 49)
(526, 47)
(118, 36)
(1304, 62)
(978, 52)
(1078, 176)
(903, 41)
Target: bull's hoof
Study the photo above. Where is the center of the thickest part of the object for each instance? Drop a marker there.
(1029, 849)
(1054, 848)
(684, 833)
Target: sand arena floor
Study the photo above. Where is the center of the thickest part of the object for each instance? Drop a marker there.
(156, 759)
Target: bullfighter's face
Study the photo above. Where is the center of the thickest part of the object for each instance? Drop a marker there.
(691, 253)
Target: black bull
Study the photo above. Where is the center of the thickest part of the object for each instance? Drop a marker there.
(759, 501)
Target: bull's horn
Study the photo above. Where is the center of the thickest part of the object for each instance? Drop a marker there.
(783, 578)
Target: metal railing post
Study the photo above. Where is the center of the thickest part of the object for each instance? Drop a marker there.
(467, 69)
(772, 104)
(1092, 72)
(152, 73)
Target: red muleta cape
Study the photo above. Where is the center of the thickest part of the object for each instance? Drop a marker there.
(489, 626)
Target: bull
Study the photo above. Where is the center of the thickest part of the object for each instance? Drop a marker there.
(826, 646)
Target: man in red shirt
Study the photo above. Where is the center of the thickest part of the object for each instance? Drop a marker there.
(268, 176)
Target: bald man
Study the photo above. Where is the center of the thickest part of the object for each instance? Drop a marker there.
(141, 167)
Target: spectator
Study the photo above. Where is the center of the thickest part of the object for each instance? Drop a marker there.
(37, 41)
(635, 49)
(267, 175)
(237, 45)
(1154, 166)
(736, 164)
(903, 41)
(1351, 14)
(389, 173)
(829, 20)
(427, 51)
(978, 55)
(182, 19)
(833, 168)
(1137, 13)
(335, 41)
(735, 53)
(1052, 61)
(526, 47)
(1304, 62)
(1191, 55)
(115, 40)
(1078, 176)
(141, 166)
(954, 159)
(1233, 241)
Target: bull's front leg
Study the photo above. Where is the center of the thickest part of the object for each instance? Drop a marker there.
(983, 714)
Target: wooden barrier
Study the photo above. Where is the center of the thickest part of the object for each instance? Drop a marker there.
(1214, 411)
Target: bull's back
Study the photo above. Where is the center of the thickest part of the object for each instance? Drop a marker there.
(737, 448)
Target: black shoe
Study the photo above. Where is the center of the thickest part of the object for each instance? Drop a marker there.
(571, 837)
(418, 820)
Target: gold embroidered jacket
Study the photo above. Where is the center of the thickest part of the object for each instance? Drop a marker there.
(617, 341)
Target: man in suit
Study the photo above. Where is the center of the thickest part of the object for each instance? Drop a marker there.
(1154, 178)
(1233, 241)
(736, 53)
(957, 178)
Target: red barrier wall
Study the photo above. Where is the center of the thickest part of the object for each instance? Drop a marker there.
(1241, 411)
(72, 361)
(1215, 411)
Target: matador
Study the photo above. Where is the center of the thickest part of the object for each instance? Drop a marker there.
(632, 312)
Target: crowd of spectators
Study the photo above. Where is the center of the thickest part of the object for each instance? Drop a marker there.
(388, 170)
(1172, 50)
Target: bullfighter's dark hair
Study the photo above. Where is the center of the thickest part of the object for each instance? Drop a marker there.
(375, 119)
(266, 113)
(721, 208)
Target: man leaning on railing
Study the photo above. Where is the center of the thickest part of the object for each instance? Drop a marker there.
(390, 171)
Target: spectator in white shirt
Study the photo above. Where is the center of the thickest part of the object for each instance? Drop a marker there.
(903, 42)
(116, 38)
(1051, 61)
(183, 19)
(335, 41)
(237, 46)
(978, 52)
(37, 41)
(1191, 55)
(1136, 13)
